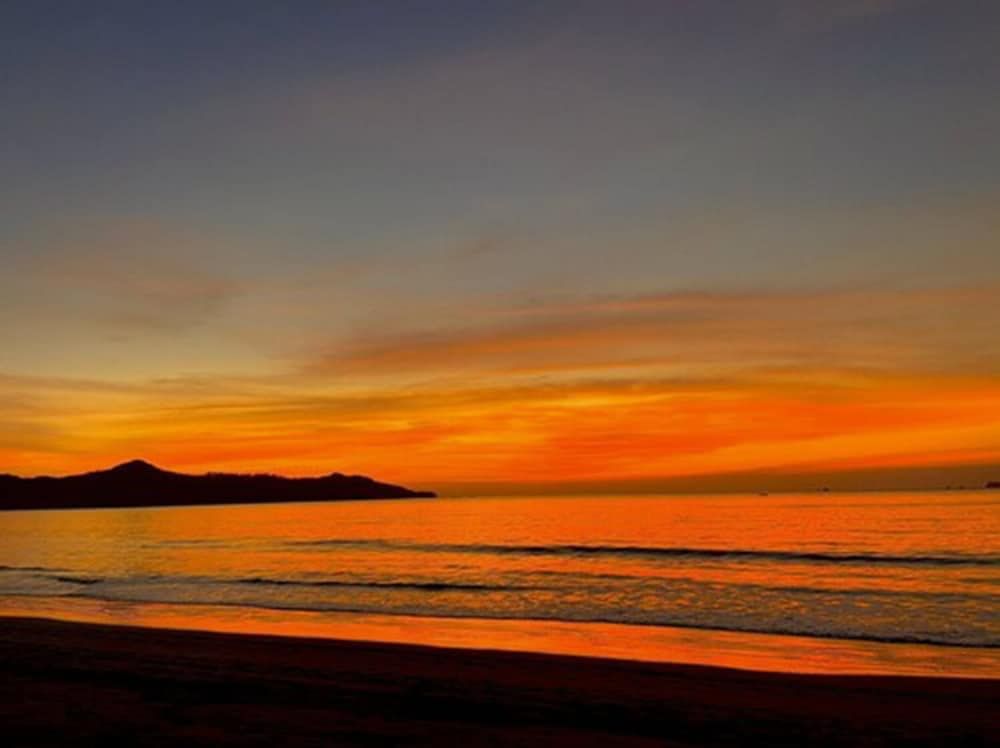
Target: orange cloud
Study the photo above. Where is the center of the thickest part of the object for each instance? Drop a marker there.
(923, 329)
(566, 432)
(611, 389)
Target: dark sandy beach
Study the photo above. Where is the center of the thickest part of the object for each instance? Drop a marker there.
(69, 683)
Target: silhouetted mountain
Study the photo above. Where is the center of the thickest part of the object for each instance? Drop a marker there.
(138, 483)
(993, 484)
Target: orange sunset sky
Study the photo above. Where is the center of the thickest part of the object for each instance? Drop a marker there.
(504, 247)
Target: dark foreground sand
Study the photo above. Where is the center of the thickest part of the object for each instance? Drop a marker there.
(68, 683)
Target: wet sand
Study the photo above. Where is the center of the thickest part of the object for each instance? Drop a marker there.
(79, 684)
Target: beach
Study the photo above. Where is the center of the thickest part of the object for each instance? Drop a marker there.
(73, 683)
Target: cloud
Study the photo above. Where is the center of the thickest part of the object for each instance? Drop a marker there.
(578, 388)
(510, 430)
(695, 332)
(132, 276)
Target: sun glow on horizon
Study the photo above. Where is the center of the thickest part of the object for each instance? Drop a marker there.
(752, 395)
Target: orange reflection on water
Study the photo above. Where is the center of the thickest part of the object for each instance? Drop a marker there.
(433, 571)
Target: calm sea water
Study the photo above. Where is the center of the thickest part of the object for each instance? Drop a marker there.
(881, 571)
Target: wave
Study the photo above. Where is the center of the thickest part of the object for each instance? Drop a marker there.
(431, 586)
(86, 581)
(959, 619)
(586, 580)
(735, 554)
(810, 633)
(558, 584)
(26, 568)
(423, 586)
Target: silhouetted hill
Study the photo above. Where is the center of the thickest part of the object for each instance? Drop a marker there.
(993, 484)
(138, 483)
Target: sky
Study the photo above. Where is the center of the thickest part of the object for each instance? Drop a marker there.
(492, 246)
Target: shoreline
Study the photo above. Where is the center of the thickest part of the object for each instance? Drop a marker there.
(765, 652)
(80, 682)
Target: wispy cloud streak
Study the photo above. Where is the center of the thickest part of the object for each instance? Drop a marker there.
(905, 330)
(601, 388)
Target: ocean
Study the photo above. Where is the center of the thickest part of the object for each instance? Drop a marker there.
(866, 582)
